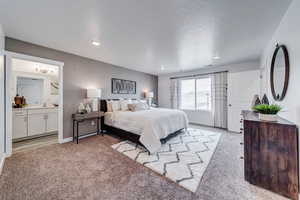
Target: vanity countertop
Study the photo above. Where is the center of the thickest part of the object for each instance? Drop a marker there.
(35, 107)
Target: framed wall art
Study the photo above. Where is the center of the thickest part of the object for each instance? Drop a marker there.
(120, 86)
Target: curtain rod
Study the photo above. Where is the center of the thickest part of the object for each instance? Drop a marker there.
(195, 75)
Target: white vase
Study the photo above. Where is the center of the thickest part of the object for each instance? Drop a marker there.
(88, 108)
(267, 117)
(81, 108)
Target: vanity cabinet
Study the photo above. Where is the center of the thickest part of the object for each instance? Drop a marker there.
(33, 122)
(36, 124)
(52, 121)
(19, 124)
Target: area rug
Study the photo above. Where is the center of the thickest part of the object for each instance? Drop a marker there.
(183, 159)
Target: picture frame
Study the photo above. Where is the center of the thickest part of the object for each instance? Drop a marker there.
(121, 86)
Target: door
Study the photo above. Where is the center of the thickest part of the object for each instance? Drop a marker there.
(52, 121)
(242, 86)
(36, 123)
(19, 125)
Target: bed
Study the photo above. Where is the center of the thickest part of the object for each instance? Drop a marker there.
(149, 128)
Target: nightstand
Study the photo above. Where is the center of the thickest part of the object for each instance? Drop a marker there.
(79, 118)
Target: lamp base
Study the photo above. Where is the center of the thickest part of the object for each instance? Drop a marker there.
(95, 105)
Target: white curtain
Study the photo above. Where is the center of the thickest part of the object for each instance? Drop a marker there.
(175, 93)
(219, 99)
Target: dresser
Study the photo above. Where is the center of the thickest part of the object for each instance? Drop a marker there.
(271, 154)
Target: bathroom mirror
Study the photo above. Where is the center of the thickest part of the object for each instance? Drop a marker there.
(32, 89)
(280, 69)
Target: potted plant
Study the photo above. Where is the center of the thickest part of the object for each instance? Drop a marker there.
(267, 112)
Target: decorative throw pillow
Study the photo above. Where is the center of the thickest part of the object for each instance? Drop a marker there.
(138, 106)
(131, 106)
(115, 106)
(109, 106)
(124, 105)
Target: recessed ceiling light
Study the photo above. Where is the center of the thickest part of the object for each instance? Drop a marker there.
(162, 68)
(216, 56)
(95, 43)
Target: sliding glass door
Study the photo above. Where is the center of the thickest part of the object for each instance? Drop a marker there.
(195, 94)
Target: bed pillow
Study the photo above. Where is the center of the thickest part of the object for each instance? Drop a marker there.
(124, 105)
(138, 106)
(109, 106)
(115, 106)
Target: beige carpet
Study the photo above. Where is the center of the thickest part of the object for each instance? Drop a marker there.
(93, 170)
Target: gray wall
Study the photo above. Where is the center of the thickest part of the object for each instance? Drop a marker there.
(81, 73)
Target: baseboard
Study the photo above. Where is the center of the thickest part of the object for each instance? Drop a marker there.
(65, 140)
(2, 160)
(70, 139)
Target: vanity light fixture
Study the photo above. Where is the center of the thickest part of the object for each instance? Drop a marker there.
(95, 43)
(216, 57)
(162, 68)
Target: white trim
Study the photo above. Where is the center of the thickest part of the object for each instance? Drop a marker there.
(69, 139)
(9, 57)
(2, 160)
(87, 135)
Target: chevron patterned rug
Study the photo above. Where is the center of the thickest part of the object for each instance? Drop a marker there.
(183, 159)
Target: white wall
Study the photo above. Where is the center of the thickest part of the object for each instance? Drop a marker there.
(1, 97)
(199, 117)
(287, 33)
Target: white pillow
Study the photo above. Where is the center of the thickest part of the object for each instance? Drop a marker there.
(138, 106)
(115, 106)
(124, 105)
(109, 106)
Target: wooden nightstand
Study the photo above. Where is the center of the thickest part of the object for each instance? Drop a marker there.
(79, 118)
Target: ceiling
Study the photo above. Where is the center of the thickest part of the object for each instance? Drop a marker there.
(146, 35)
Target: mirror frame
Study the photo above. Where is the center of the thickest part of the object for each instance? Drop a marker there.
(287, 72)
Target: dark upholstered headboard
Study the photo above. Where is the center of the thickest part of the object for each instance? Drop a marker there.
(103, 105)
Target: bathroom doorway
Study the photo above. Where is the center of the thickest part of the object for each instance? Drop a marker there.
(34, 102)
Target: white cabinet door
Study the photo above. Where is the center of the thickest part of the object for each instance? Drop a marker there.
(19, 126)
(52, 122)
(242, 86)
(36, 124)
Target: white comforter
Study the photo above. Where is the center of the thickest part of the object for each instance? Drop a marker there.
(155, 124)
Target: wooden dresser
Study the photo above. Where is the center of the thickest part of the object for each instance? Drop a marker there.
(271, 154)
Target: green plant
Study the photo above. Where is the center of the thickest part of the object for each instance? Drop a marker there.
(267, 109)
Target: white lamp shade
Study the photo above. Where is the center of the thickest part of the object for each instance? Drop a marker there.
(150, 95)
(93, 93)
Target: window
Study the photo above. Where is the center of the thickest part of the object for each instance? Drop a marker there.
(188, 94)
(195, 94)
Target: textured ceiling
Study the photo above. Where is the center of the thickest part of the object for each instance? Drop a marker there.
(146, 34)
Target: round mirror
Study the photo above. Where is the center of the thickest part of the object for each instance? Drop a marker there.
(280, 69)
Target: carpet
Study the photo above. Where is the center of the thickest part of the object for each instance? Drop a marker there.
(183, 159)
